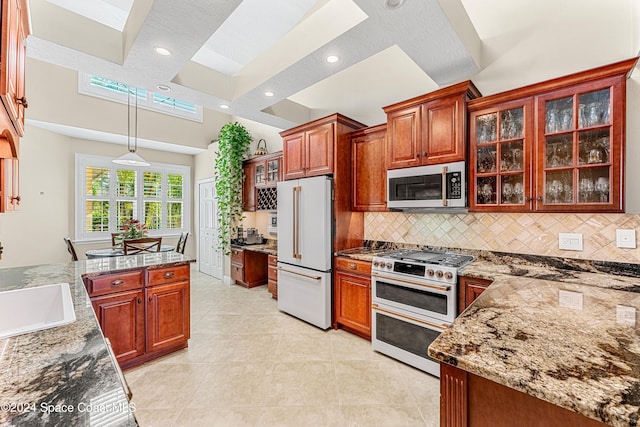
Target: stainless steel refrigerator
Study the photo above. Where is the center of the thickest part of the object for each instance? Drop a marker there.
(305, 249)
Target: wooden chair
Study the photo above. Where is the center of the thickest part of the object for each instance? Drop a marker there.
(144, 244)
(116, 238)
(71, 249)
(182, 242)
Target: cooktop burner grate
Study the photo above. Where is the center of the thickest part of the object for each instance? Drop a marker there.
(430, 257)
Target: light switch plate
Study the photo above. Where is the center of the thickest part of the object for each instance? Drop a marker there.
(570, 299)
(570, 241)
(626, 238)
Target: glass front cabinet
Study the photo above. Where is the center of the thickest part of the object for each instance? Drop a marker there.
(556, 146)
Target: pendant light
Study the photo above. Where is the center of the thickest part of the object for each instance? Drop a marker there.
(131, 158)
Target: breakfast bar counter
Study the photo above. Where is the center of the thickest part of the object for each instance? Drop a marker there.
(66, 375)
(559, 342)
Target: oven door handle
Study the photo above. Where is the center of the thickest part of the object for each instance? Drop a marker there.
(437, 288)
(441, 327)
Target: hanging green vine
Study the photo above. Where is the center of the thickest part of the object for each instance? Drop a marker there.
(233, 144)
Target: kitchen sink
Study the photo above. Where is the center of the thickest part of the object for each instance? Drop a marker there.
(33, 309)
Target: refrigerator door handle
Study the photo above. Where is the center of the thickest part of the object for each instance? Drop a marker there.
(296, 222)
(300, 274)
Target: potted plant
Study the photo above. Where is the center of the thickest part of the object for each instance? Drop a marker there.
(233, 145)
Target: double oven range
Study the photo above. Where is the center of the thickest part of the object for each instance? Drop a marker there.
(414, 294)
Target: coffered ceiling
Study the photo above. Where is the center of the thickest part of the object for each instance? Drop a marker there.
(230, 52)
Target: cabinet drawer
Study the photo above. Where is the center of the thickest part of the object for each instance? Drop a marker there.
(272, 260)
(272, 273)
(237, 256)
(354, 266)
(237, 272)
(112, 283)
(158, 276)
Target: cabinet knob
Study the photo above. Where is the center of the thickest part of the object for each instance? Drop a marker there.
(352, 266)
(539, 198)
(150, 299)
(139, 300)
(117, 283)
(16, 198)
(22, 101)
(527, 199)
(425, 154)
(168, 274)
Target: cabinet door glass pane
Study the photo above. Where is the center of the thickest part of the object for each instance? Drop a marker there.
(594, 108)
(511, 156)
(559, 115)
(511, 123)
(559, 151)
(486, 190)
(259, 174)
(486, 159)
(593, 185)
(486, 126)
(559, 187)
(594, 147)
(512, 190)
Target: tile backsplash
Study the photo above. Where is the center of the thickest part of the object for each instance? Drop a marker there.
(533, 233)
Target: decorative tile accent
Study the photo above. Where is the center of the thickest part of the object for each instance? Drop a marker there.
(533, 233)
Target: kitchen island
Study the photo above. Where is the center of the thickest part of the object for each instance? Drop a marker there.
(541, 348)
(65, 375)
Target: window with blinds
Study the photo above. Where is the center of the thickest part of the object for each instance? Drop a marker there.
(111, 194)
(101, 87)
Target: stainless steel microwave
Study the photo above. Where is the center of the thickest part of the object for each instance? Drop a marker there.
(427, 187)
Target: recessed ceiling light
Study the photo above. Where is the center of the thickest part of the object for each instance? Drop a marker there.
(332, 59)
(162, 51)
(224, 106)
(268, 93)
(393, 4)
(163, 88)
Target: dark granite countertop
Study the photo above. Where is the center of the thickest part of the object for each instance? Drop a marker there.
(64, 376)
(522, 333)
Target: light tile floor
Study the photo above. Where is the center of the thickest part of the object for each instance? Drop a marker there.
(248, 364)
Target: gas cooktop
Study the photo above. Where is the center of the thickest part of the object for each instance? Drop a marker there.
(448, 259)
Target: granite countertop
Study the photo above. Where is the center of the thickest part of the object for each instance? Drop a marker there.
(65, 376)
(521, 333)
(267, 248)
(363, 253)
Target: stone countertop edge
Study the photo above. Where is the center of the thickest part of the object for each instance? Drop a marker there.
(518, 333)
(65, 375)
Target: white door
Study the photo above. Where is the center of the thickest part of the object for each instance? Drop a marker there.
(210, 259)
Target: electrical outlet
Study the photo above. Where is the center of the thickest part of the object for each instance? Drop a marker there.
(626, 315)
(626, 238)
(570, 241)
(570, 299)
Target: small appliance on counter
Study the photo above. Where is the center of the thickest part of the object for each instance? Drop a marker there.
(252, 237)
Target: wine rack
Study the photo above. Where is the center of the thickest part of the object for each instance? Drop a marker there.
(267, 199)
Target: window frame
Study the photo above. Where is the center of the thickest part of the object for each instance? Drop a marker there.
(82, 161)
(147, 102)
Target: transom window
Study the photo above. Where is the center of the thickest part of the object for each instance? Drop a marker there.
(101, 87)
(108, 194)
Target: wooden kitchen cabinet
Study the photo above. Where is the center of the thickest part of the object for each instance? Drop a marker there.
(118, 301)
(248, 268)
(469, 289)
(10, 190)
(272, 275)
(555, 146)
(15, 30)
(144, 313)
(352, 296)
(429, 129)
(369, 172)
(260, 177)
(248, 187)
(309, 149)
